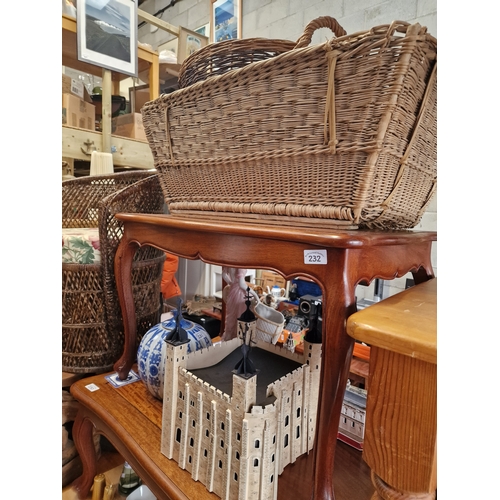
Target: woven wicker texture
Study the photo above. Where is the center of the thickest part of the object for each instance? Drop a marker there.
(221, 57)
(92, 330)
(342, 132)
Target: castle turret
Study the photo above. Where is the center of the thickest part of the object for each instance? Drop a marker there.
(244, 393)
(312, 357)
(175, 357)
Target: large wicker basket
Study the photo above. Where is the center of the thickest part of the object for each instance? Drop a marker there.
(339, 134)
(92, 325)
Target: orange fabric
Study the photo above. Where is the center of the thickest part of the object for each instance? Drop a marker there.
(169, 285)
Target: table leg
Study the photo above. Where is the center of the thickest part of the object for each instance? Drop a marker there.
(384, 492)
(423, 274)
(401, 426)
(84, 441)
(338, 304)
(123, 276)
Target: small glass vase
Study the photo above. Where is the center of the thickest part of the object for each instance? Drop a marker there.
(129, 480)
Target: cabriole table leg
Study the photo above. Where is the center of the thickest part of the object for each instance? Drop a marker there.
(84, 441)
(123, 275)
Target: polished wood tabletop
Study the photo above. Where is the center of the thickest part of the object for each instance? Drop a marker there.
(313, 235)
(404, 323)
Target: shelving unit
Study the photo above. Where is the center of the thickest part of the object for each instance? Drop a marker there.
(79, 143)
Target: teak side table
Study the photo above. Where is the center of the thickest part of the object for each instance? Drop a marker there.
(336, 260)
(401, 409)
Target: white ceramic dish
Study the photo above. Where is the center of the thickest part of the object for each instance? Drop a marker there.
(142, 493)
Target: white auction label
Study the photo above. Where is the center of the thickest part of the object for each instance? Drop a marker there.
(92, 387)
(315, 257)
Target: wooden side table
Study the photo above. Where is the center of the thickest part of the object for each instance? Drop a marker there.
(336, 260)
(401, 416)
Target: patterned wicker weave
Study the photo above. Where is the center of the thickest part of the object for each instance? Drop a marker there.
(92, 330)
(218, 58)
(340, 134)
(221, 57)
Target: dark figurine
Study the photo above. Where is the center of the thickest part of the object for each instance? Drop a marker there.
(293, 294)
(246, 322)
(177, 335)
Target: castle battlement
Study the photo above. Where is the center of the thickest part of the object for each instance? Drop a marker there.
(263, 410)
(209, 356)
(279, 351)
(291, 377)
(203, 386)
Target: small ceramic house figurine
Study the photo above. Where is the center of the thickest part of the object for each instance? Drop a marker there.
(290, 344)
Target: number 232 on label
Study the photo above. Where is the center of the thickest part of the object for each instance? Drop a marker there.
(315, 257)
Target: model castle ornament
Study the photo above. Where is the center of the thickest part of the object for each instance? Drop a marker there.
(236, 436)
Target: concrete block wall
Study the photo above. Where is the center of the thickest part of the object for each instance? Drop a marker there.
(286, 19)
(190, 14)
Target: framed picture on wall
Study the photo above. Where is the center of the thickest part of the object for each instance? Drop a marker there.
(204, 30)
(107, 34)
(189, 42)
(225, 20)
(185, 44)
(170, 45)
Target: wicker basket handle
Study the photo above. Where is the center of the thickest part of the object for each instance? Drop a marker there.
(320, 22)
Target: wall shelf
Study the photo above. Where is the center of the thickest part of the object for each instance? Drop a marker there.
(128, 152)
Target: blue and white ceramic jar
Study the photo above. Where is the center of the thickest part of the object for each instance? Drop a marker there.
(150, 355)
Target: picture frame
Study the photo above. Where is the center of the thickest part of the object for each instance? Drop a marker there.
(204, 30)
(225, 20)
(189, 41)
(170, 45)
(107, 34)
